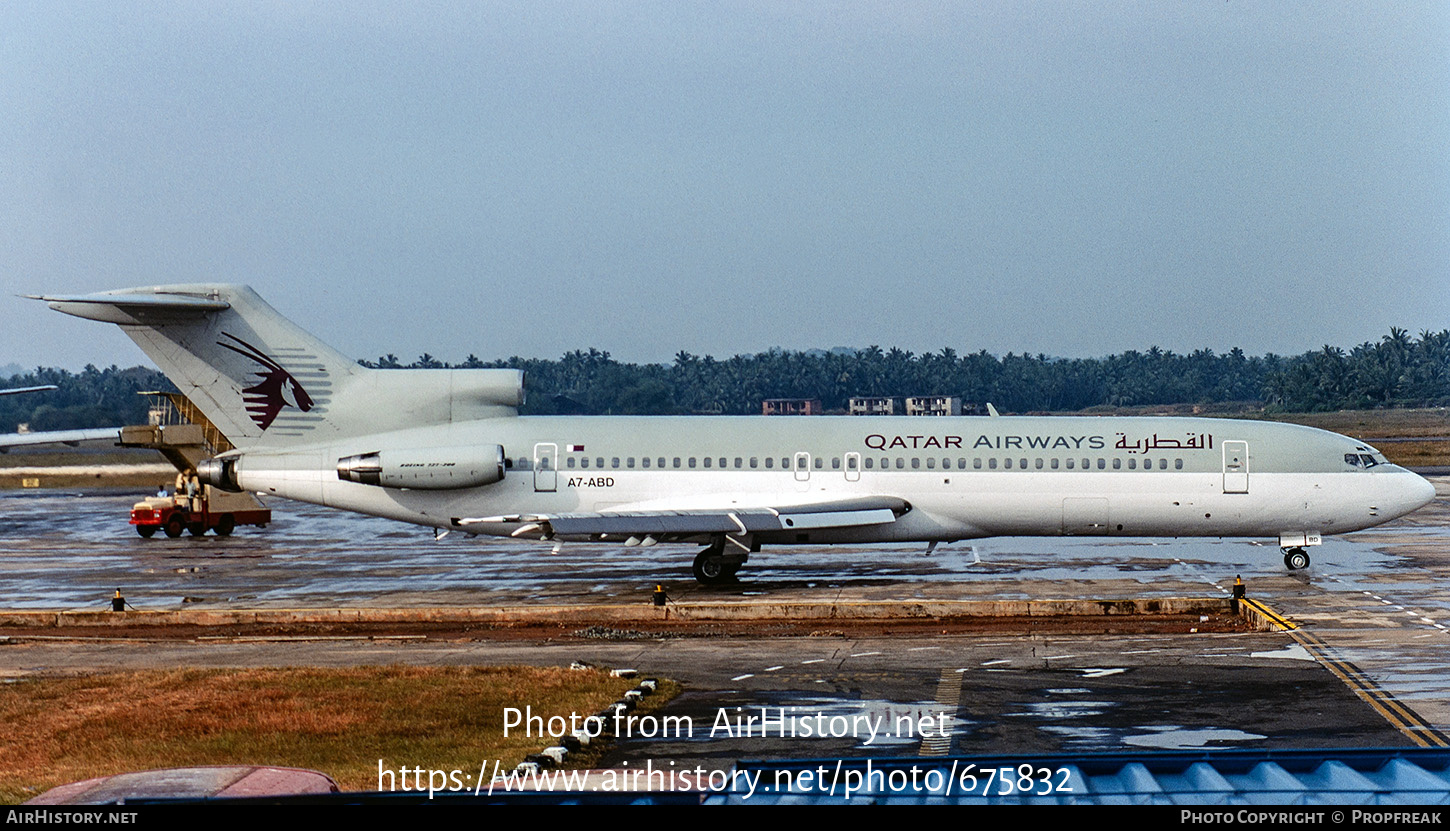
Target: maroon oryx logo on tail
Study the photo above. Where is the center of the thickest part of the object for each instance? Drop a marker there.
(276, 389)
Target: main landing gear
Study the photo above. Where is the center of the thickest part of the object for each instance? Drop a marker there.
(1296, 559)
(714, 565)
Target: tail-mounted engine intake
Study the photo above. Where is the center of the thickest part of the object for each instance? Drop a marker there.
(219, 473)
(436, 468)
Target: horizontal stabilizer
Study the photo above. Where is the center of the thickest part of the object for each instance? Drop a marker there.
(128, 309)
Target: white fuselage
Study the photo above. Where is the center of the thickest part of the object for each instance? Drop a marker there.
(963, 477)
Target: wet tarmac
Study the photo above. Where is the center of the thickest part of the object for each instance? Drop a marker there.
(1376, 601)
(71, 550)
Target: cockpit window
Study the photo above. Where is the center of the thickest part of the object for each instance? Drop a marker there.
(1351, 459)
(1369, 461)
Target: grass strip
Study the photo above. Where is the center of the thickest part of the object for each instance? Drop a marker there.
(339, 721)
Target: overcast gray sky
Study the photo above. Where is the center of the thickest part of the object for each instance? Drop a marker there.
(529, 178)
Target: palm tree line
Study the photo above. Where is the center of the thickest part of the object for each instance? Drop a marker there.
(1398, 370)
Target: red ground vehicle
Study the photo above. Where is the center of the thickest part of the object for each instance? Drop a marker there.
(214, 510)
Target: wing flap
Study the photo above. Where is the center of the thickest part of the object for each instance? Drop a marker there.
(656, 523)
(70, 437)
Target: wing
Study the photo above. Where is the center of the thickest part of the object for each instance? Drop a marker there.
(70, 437)
(660, 524)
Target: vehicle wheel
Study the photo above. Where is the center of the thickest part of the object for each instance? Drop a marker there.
(196, 528)
(709, 568)
(1296, 559)
(174, 526)
(147, 531)
(226, 525)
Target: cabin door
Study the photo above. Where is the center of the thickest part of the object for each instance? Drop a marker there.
(1085, 516)
(853, 467)
(1235, 467)
(546, 459)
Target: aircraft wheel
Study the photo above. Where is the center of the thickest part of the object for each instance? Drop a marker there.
(710, 569)
(227, 524)
(1296, 559)
(174, 526)
(147, 531)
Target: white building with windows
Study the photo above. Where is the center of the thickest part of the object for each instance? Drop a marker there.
(875, 406)
(935, 405)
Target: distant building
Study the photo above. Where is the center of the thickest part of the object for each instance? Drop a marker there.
(791, 406)
(935, 405)
(875, 406)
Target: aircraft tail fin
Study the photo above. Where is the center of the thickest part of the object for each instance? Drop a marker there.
(265, 382)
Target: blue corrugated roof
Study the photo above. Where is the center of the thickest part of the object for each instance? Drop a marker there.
(1396, 776)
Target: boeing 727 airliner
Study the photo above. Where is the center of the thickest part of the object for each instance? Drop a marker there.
(448, 449)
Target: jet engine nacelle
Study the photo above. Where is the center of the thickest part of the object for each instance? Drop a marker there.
(432, 468)
(219, 473)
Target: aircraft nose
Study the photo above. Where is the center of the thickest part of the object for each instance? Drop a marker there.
(1411, 492)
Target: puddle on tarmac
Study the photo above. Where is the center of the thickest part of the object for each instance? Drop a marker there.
(1176, 738)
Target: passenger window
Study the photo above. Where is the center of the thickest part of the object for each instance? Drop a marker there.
(1037, 464)
(614, 462)
(739, 463)
(1132, 464)
(930, 463)
(677, 461)
(722, 463)
(570, 462)
(1070, 464)
(961, 464)
(629, 462)
(754, 462)
(1007, 464)
(1054, 464)
(662, 462)
(1102, 464)
(707, 462)
(836, 463)
(1022, 463)
(915, 463)
(1117, 464)
(1162, 464)
(870, 463)
(851, 462)
(692, 462)
(976, 464)
(820, 463)
(900, 464)
(1177, 464)
(584, 462)
(992, 464)
(644, 462)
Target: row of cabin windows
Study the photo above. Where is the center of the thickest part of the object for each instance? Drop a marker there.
(869, 463)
